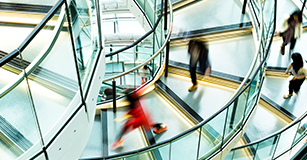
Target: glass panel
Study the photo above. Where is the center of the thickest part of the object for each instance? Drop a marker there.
(235, 116)
(144, 155)
(93, 43)
(302, 130)
(79, 14)
(286, 140)
(247, 108)
(19, 129)
(185, 147)
(245, 153)
(149, 10)
(253, 93)
(212, 133)
(230, 155)
(266, 148)
(40, 42)
(268, 15)
(54, 82)
(164, 151)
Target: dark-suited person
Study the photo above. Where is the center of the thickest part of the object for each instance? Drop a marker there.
(198, 54)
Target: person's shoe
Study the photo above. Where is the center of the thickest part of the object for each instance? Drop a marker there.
(286, 96)
(193, 87)
(282, 49)
(160, 129)
(117, 143)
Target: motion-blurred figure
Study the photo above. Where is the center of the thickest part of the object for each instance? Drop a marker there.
(290, 30)
(198, 53)
(299, 72)
(136, 117)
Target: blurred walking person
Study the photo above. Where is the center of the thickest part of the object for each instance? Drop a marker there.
(198, 53)
(290, 30)
(136, 117)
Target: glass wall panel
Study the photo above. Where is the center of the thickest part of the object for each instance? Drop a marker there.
(212, 134)
(245, 153)
(266, 148)
(144, 155)
(302, 130)
(235, 116)
(81, 22)
(40, 42)
(54, 82)
(165, 151)
(186, 146)
(19, 129)
(9, 74)
(286, 140)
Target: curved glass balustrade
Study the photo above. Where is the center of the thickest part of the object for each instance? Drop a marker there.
(45, 80)
(283, 141)
(214, 134)
(273, 146)
(137, 63)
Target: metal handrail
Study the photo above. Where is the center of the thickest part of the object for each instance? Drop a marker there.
(153, 56)
(137, 41)
(237, 93)
(31, 36)
(40, 57)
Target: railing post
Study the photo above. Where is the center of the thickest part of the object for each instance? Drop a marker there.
(167, 44)
(244, 6)
(114, 94)
(303, 6)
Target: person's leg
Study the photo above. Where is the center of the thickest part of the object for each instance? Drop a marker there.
(298, 85)
(291, 88)
(282, 47)
(193, 75)
(118, 142)
(193, 78)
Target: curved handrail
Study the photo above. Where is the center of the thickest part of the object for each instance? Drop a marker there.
(139, 40)
(278, 133)
(153, 56)
(31, 36)
(298, 120)
(241, 89)
(37, 61)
